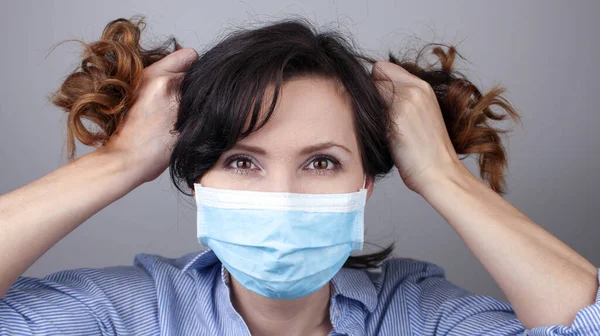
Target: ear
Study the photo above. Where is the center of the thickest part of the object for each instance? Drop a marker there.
(369, 185)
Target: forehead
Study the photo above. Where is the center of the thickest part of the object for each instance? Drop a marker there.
(309, 110)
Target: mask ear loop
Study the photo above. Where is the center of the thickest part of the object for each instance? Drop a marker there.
(364, 181)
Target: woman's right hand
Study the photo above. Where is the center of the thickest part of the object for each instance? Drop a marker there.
(145, 140)
(36, 216)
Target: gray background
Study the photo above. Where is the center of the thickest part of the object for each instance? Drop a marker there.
(544, 52)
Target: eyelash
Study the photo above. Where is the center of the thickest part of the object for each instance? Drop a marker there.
(234, 158)
(336, 164)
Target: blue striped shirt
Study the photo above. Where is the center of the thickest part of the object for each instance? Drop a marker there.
(189, 295)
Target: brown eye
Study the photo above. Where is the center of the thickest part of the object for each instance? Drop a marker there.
(243, 164)
(321, 164)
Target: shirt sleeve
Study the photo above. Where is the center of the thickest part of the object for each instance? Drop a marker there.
(106, 301)
(439, 307)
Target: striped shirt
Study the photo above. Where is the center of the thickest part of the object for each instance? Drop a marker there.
(189, 295)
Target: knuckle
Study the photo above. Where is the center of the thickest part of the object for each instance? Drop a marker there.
(419, 83)
(424, 86)
(415, 92)
(427, 88)
(161, 82)
(158, 84)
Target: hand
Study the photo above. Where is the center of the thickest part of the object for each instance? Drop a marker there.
(145, 140)
(420, 145)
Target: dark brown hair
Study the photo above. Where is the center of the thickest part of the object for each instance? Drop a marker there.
(225, 87)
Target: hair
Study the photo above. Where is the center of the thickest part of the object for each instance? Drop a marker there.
(225, 87)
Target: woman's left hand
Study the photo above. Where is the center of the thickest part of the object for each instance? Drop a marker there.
(546, 281)
(420, 144)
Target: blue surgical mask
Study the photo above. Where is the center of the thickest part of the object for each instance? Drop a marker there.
(280, 245)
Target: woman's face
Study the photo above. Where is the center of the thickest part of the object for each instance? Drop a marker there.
(308, 146)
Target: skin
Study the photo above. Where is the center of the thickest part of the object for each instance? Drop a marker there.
(34, 217)
(546, 281)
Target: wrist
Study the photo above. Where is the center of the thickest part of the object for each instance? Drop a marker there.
(455, 173)
(121, 164)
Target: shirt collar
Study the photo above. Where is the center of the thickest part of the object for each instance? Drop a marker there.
(200, 260)
(351, 283)
(355, 284)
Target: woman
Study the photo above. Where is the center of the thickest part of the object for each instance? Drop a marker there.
(280, 134)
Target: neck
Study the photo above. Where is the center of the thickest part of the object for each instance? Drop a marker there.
(264, 316)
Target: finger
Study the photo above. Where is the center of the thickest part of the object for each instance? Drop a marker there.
(389, 89)
(385, 88)
(178, 61)
(394, 90)
(386, 71)
(174, 84)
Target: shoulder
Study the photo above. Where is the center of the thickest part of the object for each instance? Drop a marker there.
(147, 271)
(193, 266)
(407, 270)
(396, 276)
(417, 279)
(152, 262)
(413, 283)
(431, 301)
(129, 300)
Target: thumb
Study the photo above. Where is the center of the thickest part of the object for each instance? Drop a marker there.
(178, 61)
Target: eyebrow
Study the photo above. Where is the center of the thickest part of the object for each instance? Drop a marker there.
(322, 146)
(304, 151)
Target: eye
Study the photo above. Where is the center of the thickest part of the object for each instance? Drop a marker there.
(243, 163)
(323, 165)
(320, 163)
(240, 164)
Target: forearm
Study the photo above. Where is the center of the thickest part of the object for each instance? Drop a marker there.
(36, 216)
(546, 281)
